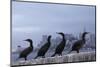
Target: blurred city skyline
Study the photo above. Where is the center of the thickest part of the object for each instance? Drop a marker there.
(33, 20)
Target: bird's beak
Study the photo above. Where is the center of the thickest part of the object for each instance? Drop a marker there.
(57, 33)
(88, 32)
(24, 40)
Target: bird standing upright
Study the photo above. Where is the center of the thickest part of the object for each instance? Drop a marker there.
(27, 50)
(61, 45)
(42, 51)
(79, 44)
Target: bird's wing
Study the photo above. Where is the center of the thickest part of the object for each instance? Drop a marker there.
(60, 46)
(43, 47)
(25, 51)
(77, 44)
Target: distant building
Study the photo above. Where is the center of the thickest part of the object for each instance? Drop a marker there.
(70, 37)
(44, 40)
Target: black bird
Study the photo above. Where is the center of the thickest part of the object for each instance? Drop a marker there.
(27, 51)
(44, 48)
(79, 44)
(61, 46)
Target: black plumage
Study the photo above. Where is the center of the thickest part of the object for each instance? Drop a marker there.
(60, 47)
(27, 51)
(42, 51)
(79, 44)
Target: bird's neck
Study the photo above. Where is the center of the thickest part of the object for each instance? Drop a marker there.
(63, 38)
(48, 40)
(31, 44)
(83, 38)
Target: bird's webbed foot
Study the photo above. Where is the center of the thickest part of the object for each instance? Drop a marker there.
(60, 54)
(77, 51)
(25, 59)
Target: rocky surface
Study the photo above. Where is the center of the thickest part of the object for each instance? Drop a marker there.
(73, 57)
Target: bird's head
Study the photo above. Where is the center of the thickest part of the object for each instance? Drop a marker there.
(85, 32)
(61, 33)
(49, 37)
(29, 40)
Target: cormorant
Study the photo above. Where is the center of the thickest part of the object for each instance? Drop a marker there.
(44, 48)
(27, 51)
(61, 46)
(79, 44)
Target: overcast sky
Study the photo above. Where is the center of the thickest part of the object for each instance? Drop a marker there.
(32, 20)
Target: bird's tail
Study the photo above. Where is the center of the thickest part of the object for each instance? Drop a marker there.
(53, 55)
(35, 57)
